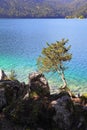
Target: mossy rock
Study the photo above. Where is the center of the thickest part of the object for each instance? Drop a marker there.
(84, 95)
(33, 95)
(27, 129)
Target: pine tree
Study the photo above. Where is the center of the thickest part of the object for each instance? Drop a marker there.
(53, 58)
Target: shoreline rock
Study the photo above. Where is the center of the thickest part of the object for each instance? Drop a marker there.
(33, 107)
(2, 75)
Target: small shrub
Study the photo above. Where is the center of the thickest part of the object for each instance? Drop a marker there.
(12, 75)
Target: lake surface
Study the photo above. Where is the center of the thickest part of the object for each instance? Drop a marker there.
(21, 42)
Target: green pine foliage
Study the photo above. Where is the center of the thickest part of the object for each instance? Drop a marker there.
(53, 58)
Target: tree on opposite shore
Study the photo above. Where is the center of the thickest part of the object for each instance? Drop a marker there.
(53, 57)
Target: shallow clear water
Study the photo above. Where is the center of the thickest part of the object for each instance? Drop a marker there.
(21, 42)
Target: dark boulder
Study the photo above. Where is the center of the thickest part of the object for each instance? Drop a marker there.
(64, 110)
(12, 90)
(2, 98)
(80, 117)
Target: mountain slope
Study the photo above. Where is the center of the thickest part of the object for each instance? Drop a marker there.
(42, 8)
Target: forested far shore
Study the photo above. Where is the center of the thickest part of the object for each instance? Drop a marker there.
(43, 9)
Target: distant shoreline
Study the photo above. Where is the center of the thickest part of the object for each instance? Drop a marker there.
(38, 18)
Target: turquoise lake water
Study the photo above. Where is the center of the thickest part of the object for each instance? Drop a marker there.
(21, 42)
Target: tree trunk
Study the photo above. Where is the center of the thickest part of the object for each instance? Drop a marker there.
(64, 87)
(64, 80)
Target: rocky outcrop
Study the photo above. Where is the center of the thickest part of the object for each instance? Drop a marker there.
(39, 84)
(53, 112)
(33, 106)
(2, 75)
